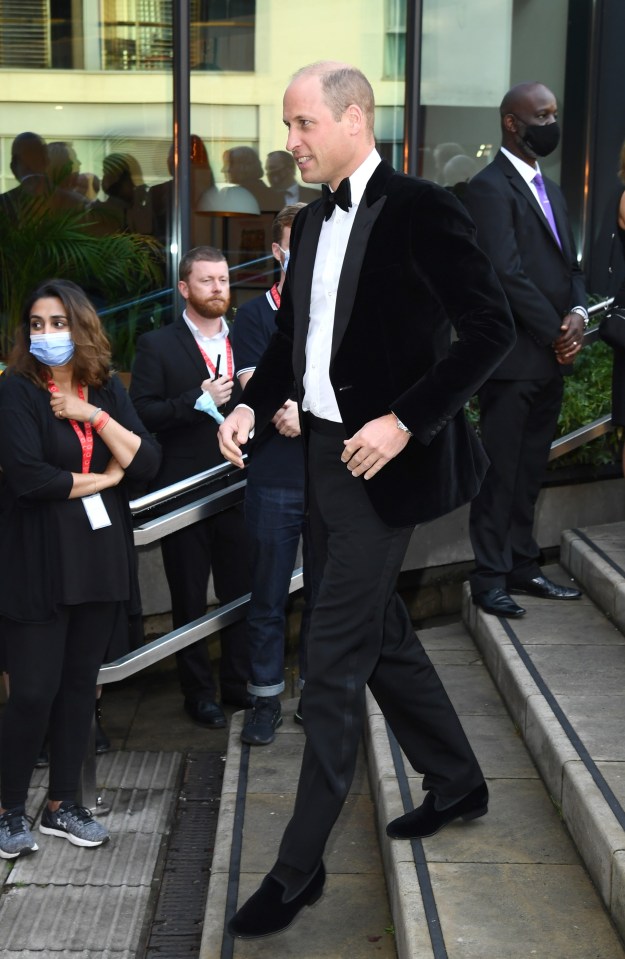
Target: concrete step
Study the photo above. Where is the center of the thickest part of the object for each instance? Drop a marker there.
(507, 886)
(561, 672)
(595, 556)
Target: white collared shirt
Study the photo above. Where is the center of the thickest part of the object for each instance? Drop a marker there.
(526, 171)
(214, 346)
(319, 396)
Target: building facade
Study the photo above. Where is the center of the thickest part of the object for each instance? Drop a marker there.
(145, 106)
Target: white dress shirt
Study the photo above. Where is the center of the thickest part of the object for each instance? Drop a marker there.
(214, 346)
(319, 398)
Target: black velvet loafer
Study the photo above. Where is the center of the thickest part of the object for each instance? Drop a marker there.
(427, 820)
(266, 912)
(545, 589)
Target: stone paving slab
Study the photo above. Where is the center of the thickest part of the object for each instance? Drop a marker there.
(76, 918)
(69, 899)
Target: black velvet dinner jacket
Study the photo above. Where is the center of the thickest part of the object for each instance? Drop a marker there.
(412, 267)
(541, 280)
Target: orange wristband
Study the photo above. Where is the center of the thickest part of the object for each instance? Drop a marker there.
(101, 422)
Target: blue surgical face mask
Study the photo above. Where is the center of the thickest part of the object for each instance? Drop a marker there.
(286, 254)
(53, 349)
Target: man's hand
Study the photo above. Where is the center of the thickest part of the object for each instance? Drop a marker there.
(368, 450)
(571, 339)
(286, 420)
(220, 389)
(234, 433)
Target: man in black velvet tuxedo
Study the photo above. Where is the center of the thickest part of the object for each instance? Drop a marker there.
(379, 269)
(523, 227)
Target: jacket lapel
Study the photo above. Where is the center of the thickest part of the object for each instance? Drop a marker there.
(368, 211)
(521, 186)
(189, 345)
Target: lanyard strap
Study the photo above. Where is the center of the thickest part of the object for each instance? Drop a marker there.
(85, 439)
(275, 296)
(211, 366)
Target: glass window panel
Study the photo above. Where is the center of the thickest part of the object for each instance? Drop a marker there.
(97, 90)
(473, 51)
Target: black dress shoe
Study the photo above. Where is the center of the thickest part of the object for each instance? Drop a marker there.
(544, 588)
(498, 602)
(266, 912)
(261, 724)
(427, 820)
(206, 713)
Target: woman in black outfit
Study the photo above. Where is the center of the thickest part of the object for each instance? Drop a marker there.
(69, 436)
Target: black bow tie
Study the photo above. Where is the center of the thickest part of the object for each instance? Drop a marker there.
(342, 197)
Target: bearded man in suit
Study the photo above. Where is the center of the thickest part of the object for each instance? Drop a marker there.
(379, 269)
(523, 227)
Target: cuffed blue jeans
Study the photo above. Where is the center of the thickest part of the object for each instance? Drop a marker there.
(275, 520)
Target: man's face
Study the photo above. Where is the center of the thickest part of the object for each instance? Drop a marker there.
(324, 149)
(207, 288)
(538, 107)
(279, 171)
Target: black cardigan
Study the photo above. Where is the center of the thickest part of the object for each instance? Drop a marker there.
(40, 528)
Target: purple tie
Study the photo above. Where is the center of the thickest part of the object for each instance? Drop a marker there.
(539, 183)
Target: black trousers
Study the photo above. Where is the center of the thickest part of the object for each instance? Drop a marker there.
(518, 419)
(361, 634)
(217, 543)
(52, 669)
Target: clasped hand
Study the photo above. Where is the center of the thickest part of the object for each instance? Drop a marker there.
(571, 339)
(220, 389)
(69, 407)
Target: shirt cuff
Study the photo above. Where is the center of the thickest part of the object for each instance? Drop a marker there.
(246, 407)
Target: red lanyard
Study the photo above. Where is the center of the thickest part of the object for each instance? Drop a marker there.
(85, 439)
(275, 296)
(211, 366)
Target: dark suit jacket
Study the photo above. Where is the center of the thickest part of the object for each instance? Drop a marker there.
(165, 384)
(411, 266)
(541, 281)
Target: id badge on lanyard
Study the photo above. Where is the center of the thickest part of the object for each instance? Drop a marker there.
(93, 504)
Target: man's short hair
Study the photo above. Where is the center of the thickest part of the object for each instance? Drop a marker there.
(283, 220)
(207, 254)
(342, 85)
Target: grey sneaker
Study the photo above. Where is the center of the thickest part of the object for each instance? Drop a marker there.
(16, 839)
(75, 823)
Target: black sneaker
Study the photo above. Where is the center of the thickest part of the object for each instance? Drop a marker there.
(73, 822)
(261, 724)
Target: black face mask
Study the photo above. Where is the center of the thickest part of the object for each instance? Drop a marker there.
(542, 139)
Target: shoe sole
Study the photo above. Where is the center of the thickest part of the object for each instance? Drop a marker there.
(261, 742)
(526, 592)
(22, 852)
(75, 840)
